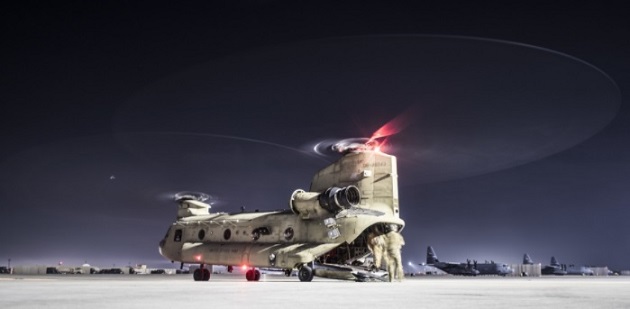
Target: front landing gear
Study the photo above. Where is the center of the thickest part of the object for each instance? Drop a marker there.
(305, 274)
(252, 275)
(201, 274)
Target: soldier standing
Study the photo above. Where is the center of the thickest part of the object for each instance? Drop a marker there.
(394, 242)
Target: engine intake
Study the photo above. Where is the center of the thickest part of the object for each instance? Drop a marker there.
(333, 200)
(337, 199)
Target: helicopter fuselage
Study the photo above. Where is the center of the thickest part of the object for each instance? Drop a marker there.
(264, 239)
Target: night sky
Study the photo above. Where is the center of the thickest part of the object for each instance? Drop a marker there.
(514, 135)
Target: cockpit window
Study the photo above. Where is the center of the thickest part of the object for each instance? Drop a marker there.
(178, 235)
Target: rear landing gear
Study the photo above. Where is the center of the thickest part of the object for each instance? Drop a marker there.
(201, 274)
(305, 274)
(252, 275)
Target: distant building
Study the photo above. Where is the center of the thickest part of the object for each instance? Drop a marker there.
(600, 271)
(30, 270)
(526, 270)
(141, 270)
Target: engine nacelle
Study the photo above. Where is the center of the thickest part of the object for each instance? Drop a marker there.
(189, 208)
(333, 200)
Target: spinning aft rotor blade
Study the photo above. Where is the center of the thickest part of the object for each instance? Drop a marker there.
(395, 125)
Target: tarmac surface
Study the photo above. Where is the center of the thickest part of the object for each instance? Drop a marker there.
(276, 291)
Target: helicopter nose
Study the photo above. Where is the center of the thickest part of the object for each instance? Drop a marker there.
(161, 245)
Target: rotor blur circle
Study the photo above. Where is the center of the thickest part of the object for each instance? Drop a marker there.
(479, 105)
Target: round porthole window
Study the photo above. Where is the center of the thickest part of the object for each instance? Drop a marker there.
(201, 235)
(227, 234)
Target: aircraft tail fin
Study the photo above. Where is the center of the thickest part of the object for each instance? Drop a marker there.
(527, 260)
(431, 257)
(554, 262)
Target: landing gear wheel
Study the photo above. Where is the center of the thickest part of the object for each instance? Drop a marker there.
(305, 274)
(252, 275)
(197, 275)
(202, 273)
(287, 272)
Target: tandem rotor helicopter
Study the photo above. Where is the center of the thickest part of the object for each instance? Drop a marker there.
(323, 230)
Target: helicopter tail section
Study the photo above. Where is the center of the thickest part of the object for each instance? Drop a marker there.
(374, 174)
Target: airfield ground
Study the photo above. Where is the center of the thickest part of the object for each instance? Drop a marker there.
(276, 291)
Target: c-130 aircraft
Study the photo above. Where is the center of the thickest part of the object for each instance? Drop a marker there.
(322, 228)
(470, 268)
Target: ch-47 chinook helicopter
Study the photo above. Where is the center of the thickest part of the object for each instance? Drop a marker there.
(322, 229)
